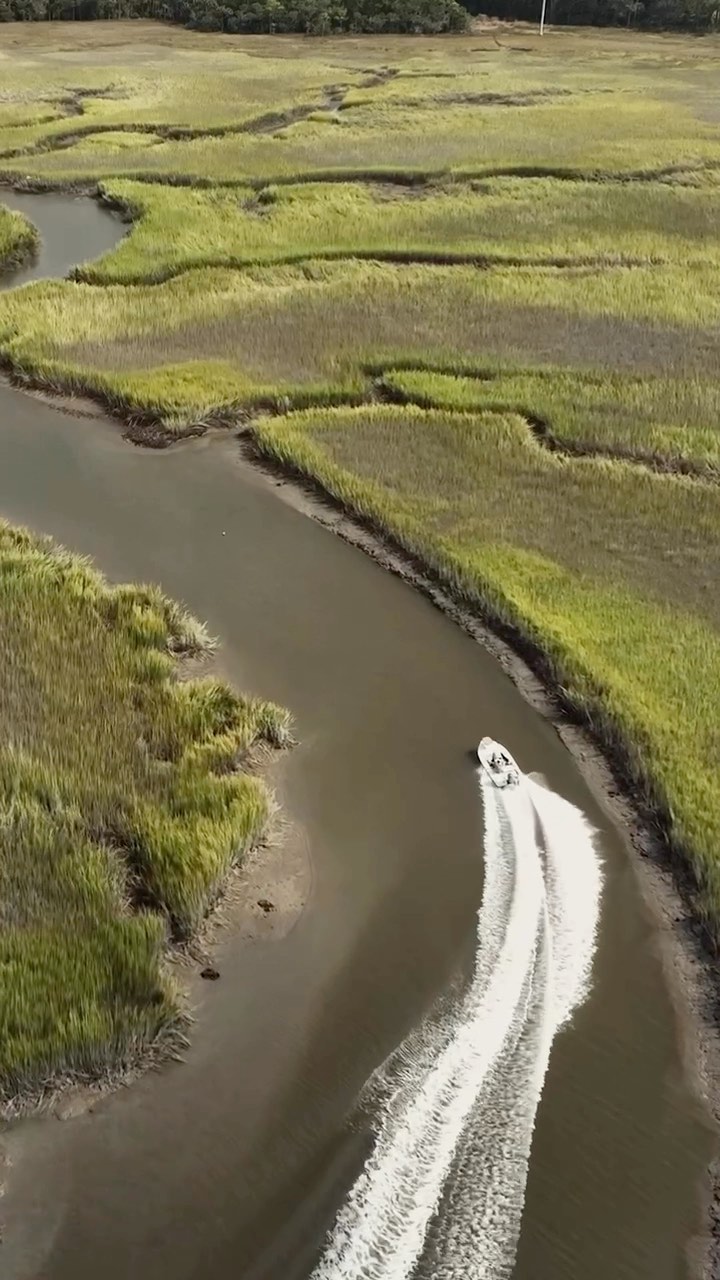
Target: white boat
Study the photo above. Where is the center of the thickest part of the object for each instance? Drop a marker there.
(498, 763)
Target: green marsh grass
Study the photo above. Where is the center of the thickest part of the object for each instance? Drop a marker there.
(672, 422)
(18, 239)
(211, 341)
(121, 811)
(606, 568)
(589, 136)
(541, 219)
(145, 74)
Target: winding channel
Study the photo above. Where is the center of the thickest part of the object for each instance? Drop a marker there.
(233, 1165)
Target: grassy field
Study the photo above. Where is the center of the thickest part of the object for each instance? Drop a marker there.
(521, 220)
(211, 341)
(121, 811)
(472, 282)
(670, 423)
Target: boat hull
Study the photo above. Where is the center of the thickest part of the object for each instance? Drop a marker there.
(498, 764)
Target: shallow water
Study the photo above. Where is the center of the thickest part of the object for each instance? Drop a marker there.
(234, 1164)
(73, 229)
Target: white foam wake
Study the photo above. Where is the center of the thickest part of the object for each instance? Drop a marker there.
(442, 1191)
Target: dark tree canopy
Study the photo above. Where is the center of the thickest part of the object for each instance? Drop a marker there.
(321, 17)
(316, 17)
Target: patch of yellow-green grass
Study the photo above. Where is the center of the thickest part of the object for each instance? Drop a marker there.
(14, 142)
(148, 76)
(185, 397)
(18, 239)
(607, 568)
(43, 112)
(107, 143)
(121, 810)
(146, 65)
(250, 336)
(120, 141)
(671, 422)
(225, 91)
(15, 115)
(540, 220)
(588, 134)
(584, 135)
(567, 63)
(487, 475)
(38, 109)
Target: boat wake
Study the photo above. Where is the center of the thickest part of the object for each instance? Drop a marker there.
(441, 1194)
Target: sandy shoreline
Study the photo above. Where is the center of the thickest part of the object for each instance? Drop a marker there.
(691, 970)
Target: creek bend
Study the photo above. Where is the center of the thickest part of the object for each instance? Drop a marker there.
(233, 1164)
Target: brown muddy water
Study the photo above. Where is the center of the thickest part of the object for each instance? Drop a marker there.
(231, 1165)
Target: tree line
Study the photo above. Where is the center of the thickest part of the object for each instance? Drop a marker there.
(321, 17)
(314, 17)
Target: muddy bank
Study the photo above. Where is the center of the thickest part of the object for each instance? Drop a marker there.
(262, 900)
(23, 255)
